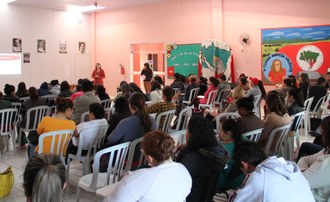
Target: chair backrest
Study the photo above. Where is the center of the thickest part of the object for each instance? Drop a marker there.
(148, 103)
(276, 140)
(23, 99)
(164, 119)
(317, 108)
(179, 137)
(131, 152)
(116, 156)
(59, 142)
(327, 97)
(308, 103)
(221, 95)
(193, 93)
(108, 112)
(256, 103)
(253, 135)
(296, 120)
(18, 106)
(84, 117)
(211, 97)
(34, 116)
(223, 116)
(7, 120)
(106, 103)
(183, 118)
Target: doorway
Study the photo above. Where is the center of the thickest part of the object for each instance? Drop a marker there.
(147, 53)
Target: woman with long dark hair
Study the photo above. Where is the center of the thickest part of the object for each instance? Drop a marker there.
(135, 126)
(147, 73)
(204, 157)
(21, 90)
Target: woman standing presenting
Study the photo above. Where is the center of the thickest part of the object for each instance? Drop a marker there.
(147, 73)
(98, 75)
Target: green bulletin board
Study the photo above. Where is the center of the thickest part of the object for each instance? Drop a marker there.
(183, 58)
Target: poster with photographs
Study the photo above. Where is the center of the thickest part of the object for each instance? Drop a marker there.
(41, 46)
(82, 47)
(62, 48)
(17, 45)
(26, 57)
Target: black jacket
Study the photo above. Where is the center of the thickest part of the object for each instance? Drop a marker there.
(204, 166)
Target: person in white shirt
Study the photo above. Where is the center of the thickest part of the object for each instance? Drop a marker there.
(165, 181)
(316, 167)
(96, 118)
(268, 179)
(156, 94)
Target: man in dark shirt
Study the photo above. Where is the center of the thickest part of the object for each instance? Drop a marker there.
(317, 91)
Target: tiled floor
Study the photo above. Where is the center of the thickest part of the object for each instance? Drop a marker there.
(19, 159)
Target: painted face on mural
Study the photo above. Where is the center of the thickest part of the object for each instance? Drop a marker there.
(277, 65)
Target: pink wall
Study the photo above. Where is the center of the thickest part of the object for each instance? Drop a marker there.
(190, 21)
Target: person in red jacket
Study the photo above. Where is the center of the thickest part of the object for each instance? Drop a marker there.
(98, 75)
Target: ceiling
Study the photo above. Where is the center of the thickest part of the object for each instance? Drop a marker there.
(64, 5)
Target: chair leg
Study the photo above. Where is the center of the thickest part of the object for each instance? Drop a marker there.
(78, 193)
(67, 173)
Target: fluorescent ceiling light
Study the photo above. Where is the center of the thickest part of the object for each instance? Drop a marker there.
(6, 1)
(90, 8)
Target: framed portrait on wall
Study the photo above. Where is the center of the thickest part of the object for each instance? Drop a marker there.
(62, 48)
(82, 47)
(41, 46)
(26, 57)
(17, 45)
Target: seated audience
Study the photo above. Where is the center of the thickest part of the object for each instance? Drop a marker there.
(65, 90)
(276, 117)
(287, 85)
(213, 84)
(294, 101)
(248, 118)
(60, 121)
(21, 90)
(304, 84)
(202, 84)
(122, 111)
(156, 92)
(255, 90)
(137, 89)
(33, 101)
(81, 104)
(100, 91)
(10, 94)
(223, 85)
(230, 136)
(317, 91)
(204, 157)
(136, 125)
(96, 119)
(160, 107)
(178, 84)
(54, 87)
(159, 79)
(78, 92)
(191, 85)
(43, 89)
(316, 167)
(268, 179)
(164, 181)
(125, 91)
(44, 178)
(237, 94)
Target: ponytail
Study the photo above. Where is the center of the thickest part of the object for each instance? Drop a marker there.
(138, 103)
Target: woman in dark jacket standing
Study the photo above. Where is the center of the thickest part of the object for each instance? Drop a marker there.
(204, 157)
(147, 73)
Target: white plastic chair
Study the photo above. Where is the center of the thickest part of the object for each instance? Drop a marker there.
(296, 125)
(179, 137)
(33, 118)
(84, 117)
(253, 135)
(106, 103)
(210, 100)
(183, 119)
(316, 112)
(148, 103)
(93, 181)
(307, 119)
(221, 95)
(277, 137)
(23, 99)
(193, 93)
(99, 133)
(131, 153)
(8, 125)
(256, 103)
(223, 116)
(18, 106)
(164, 118)
(59, 142)
(108, 112)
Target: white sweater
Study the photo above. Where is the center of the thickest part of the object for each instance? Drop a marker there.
(316, 169)
(274, 180)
